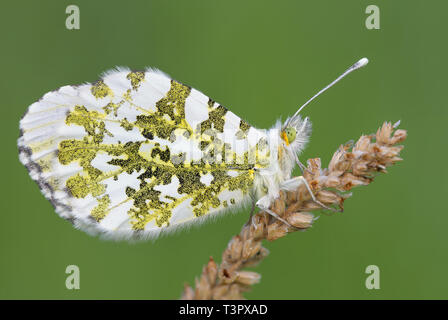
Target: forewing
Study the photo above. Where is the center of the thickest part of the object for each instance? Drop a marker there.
(137, 153)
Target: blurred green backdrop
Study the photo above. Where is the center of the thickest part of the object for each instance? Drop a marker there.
(261, 59)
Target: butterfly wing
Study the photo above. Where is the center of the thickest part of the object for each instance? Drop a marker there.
(137, 153)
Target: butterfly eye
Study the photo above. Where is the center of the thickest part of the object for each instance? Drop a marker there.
(290, 134)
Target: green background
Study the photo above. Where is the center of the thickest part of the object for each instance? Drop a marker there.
(261, 59)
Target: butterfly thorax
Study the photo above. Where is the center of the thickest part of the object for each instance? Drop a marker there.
(283, 155)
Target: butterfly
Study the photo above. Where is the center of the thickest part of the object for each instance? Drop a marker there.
(137, 154)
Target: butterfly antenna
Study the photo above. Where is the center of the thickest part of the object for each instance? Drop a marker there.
(361, 63)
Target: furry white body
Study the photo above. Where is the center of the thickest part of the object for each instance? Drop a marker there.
(277, 176)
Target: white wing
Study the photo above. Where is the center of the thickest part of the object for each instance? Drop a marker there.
(137, 153)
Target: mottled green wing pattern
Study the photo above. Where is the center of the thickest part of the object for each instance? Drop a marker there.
(136, 153)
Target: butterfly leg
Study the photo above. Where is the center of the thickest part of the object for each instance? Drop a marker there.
(300, 164)
(263, 205)
(295, 182)
(252, 210)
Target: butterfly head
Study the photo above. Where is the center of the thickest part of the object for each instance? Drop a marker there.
(295, 132)
(289, 135)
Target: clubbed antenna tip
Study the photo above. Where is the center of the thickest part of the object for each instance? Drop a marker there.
(361, 63)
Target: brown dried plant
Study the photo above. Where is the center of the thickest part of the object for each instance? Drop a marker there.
(351, 166)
